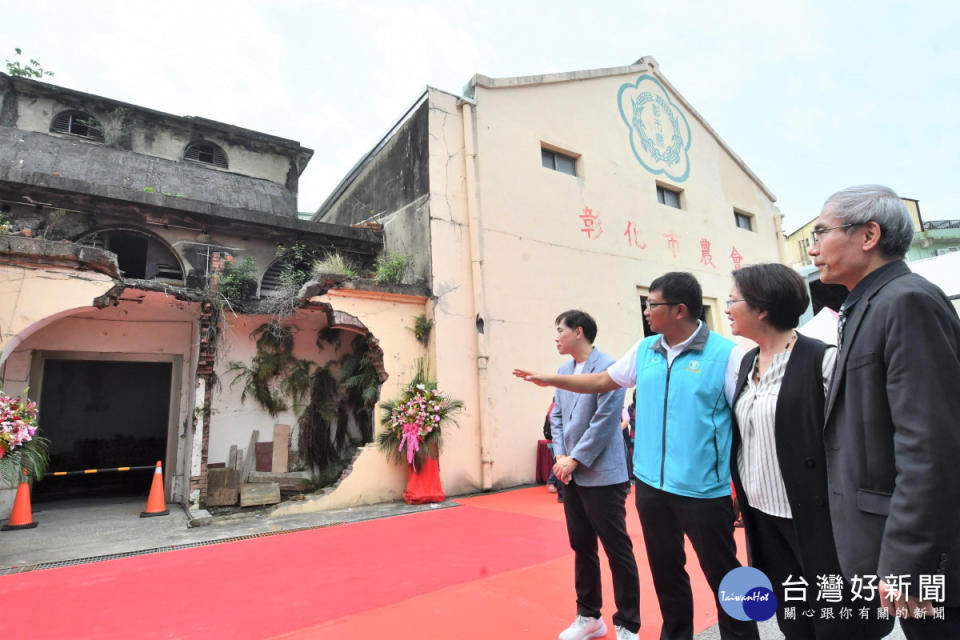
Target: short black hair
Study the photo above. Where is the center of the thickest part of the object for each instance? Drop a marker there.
(776, 289)
(679, 286)
(575, 318)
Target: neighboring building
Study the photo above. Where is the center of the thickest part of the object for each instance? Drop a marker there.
(123, 222)
(538, 194)
(798, 242)
(938, 237)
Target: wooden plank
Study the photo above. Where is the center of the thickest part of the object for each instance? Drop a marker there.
(281, 445)
(287, 481)
(259, 494)
(232, 457)
(264, 456)
(219, 491)
(250, 460)
(223, 497)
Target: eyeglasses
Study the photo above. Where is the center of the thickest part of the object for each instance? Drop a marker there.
(816, 233)
(661, 304)
(733, 301)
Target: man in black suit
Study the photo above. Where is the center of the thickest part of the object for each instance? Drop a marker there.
(892, 431)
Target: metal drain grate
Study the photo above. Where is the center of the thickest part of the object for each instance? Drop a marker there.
(173, 547)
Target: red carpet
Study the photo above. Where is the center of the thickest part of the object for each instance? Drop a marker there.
(498, 566)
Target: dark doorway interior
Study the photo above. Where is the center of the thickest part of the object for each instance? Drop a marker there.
(102, 414)
(131, 253)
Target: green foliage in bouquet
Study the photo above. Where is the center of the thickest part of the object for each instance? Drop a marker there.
(20, 445)
(413, 423)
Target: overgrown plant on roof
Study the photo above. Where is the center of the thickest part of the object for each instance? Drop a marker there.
(391, 268)
(334, 262)
(238, 282)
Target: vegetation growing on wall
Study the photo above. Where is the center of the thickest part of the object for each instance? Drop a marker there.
(338, 396)
(422, 326)
(238, 282)
(335, 263)
(274, 373)
(391, 268)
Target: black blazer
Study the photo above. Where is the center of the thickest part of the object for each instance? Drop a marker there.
(892, 434)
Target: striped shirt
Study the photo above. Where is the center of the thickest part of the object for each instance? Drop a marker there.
(756, 414)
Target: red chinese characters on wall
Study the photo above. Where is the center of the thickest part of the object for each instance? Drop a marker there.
(736, 257)
(591, 224)
(706, 257)
(673, 242)
(632, 234)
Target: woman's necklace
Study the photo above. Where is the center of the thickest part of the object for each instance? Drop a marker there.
(756, 363)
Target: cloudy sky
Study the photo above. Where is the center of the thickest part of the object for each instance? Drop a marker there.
(814, 96)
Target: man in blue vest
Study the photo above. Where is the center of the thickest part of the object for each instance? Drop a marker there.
(685, 378)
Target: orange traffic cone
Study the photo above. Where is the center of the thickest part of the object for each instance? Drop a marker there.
(22, 516)
(156, 502)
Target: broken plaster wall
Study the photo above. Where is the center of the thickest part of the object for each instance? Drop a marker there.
(389, 317)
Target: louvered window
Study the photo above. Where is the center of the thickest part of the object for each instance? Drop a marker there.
(78, 123)
(207, 153)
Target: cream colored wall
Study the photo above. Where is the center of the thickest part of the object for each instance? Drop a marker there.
(30, 297)
(373, 478)
(36, 114)
(537, 261)
(455, 342)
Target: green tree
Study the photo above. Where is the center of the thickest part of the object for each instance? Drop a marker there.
(31, 69)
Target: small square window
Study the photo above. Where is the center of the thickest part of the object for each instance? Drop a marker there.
(558, 161)
(668, 197)
(743, 220)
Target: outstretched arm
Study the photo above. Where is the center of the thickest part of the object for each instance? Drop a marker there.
(600, 382)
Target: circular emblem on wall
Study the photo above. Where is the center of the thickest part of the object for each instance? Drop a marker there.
(746, 594)
(659, 132)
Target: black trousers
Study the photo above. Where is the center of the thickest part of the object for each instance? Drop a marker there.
(708, 522)
(775, 551)
(600, 512)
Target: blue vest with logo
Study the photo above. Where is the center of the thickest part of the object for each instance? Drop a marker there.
(683, 424)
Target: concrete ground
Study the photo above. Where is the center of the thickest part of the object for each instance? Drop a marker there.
(74, 530)
(86, 530)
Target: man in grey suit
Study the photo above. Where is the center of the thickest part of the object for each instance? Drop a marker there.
(891, 435)
(592, 463)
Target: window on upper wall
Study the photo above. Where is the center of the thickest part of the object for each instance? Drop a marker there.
(558, 161)
(668, 196)
(78, 123)
(207, 153)
(743, 220)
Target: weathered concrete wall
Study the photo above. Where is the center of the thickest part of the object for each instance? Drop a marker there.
(32, 106)
(393, 188)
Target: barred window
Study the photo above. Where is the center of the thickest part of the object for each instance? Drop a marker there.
(78, 123)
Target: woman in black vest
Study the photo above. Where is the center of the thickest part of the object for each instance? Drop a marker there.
(777, 459)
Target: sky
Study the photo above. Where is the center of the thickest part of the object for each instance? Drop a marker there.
(813, 96)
